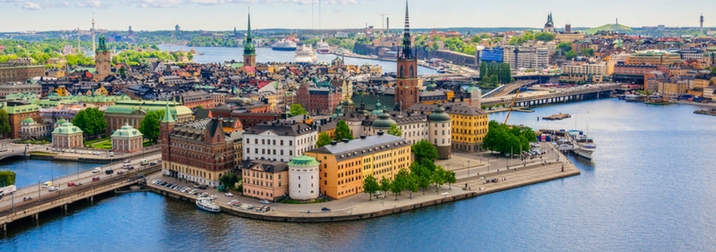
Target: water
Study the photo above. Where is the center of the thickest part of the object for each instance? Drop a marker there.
(222, 54)
(31, 172)
(649, 188)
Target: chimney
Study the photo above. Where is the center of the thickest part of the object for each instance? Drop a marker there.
(362, 136)
(345, 140)
(380, 133)
(334, 143)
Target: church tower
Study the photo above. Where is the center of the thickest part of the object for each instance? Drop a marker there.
(249, 50)
(406, 88)
(102, 60)
(165, 128)
(549, 26)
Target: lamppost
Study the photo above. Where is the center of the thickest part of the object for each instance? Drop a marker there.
(468, 168)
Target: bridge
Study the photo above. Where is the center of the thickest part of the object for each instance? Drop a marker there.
(13, 207)
(560, 95)
(18, 150)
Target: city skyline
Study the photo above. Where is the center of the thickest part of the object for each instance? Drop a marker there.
(335, 14)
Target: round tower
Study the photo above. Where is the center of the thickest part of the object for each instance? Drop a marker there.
(440, 126)
(303, 183)
(383, 123)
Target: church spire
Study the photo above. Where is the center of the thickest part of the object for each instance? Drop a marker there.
(249, 41)
(167, 115)
(407, 48)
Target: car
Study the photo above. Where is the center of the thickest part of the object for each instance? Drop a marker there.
(204, 194)
(163, 183)
(228, 194)
(202, 186)
(265, 202)
(126, 161)
(70, 184)
(378, 193)
(108, 171)
(325, 209)
(192, 191)
(152, 163)
(196, 186)
(52, 189)
(120, 172)
(95, 178)
(212, 197)
(97, 170)
(78, 184)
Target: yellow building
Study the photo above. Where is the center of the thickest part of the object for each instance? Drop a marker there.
(469, 127)
(344, 165)
(654, 57)
(568, 37)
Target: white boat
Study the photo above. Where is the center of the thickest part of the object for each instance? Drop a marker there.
(323, 48)
(305, 54)
(583, 145)
(441, 70)
(284, 45)
(206, 205)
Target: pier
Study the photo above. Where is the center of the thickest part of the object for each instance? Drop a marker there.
(557, 96)
(559, 116)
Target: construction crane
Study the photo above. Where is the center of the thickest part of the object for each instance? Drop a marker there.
(382, 19)
(512, 105)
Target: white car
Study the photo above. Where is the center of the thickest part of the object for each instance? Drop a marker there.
(97, 170)
(52, 189)
(265, 202)
(228, 194)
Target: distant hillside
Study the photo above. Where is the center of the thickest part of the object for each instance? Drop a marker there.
(608, 27)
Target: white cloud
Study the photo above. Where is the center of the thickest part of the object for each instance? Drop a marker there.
(158, 3)
(91, 4)
(31, 6)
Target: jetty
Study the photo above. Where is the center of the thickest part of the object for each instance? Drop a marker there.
(711, 112)
(559, 116)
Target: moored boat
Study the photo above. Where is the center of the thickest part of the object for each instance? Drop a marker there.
(206, 205)
(305, 54)
(323, 48)
(284, 45)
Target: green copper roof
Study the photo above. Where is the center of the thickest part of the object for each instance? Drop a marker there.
(21, 109)
(439, 115)
(66, 129)
(383, 122)
(303, 161)
(249, 41)
(168, 118)
(126, 131)
(28, 120)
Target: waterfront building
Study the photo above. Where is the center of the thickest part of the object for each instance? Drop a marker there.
(631, 73)
(582, 71)
(440, 131)
(492, 55)
(303, 180)
(20, 70)
(200, 151)
(17, 112)
(264, 179)
(343, 165)
(66, 136)
(29, 129)
(103, 60)
(249, 50)
(132, 112)
(407, 87)
(468, 124)
(15, 87)
(526, 57)
(279, 140)
(127, 140)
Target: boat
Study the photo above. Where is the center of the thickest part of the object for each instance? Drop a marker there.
(634, 98)
(323, 48)
(284, 45)
(305, 54)
(206, 205)
(441, 70)
(583, 145)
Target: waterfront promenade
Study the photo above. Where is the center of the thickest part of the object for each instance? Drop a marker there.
(509, 174)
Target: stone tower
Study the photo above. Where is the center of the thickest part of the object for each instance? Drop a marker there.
(406, 88)
(440, 130)
(249, 50)
(102, 60)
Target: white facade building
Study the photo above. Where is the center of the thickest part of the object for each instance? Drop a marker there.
(303, 178)
(278, 140)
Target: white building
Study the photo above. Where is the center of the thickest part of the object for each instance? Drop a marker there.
(303, 174)
(278, 140)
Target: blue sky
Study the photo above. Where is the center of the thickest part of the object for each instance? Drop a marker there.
(40, 15)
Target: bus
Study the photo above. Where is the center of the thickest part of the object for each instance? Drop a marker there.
(143, 162)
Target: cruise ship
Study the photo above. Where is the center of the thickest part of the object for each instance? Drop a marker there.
(305, 54)
(284, 45)
(323, 48)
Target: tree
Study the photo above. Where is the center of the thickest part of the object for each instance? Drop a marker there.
(370, 186)
(565, 46)
(149, 125)
(423, 175)
(570, 55)
(544, 36)
(199, 107)
(7, 178)
(4, 123)
(342, 131)
(395, 130)
(438, 177)
(713, 71)
(297, 109)
(450, 178)
(385, 185)
(122, 71)
(424, 152)
(323, 139)
(399, 183)
(91, 121)
(412, 184)
(229, 179)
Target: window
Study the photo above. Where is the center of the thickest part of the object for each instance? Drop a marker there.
(290, 142)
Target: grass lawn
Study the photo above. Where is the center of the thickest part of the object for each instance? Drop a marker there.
(40, 153)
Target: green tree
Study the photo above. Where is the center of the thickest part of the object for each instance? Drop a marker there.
(370, 186)
(544, 36)
(565, 46)
(199, 107)
(297, 109)
(122, 71)
(424, 152)
(450, 178)
(438, 177)
(155, 47)
(342, 131)
(7, 178)
(570, 55)
(713, 71)
(395, 130)
(400, 182)
(149, 125)
(91, 121)
(412, 183)
(4, 123)
(385, 185)
(229, 179)
(323, 139)
(423, 175)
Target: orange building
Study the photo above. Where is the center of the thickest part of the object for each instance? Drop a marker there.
(264, 179)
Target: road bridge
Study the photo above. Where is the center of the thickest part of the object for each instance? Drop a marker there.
(560, 95)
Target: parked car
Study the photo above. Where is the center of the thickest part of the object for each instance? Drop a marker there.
(97, 170)
(152, 163)
(228, 194)
(120, 172)
(95, 178)
(325, 209)
(126, 161)
(265, 202)
(108, 171)
(52, 188)
(70, 184)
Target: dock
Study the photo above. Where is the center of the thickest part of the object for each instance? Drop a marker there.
(711, 112)
(559, 116)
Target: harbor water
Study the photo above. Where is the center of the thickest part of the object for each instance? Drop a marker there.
(650, 187)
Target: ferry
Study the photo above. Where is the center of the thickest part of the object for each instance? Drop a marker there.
(583, 145)
(206, 205)
(323, 48)
(305, 54)
(284, 45)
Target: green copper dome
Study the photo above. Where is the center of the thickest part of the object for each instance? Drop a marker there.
(472, 87)
(383, 122)
(378, 109)
(28, 120)
(303, 161)
(439, 115)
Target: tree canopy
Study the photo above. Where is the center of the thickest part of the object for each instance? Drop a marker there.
(229, 179)
(91, 121)
(508, 139)
(149, 125)
(544, 36)
(495, 73)
(424, 152)
(342, 131)
(7, 178)
(4, 123)
(395, 130)
(323, 139)
(297, 109)
(370, 186)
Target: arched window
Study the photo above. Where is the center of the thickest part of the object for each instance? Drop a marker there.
(412, 72)
(402, 72)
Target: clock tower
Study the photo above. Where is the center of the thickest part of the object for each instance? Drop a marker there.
(406, 84)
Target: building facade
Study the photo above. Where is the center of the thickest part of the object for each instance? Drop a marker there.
(264, 179)
(66, 136)
(303, 180)
(103, 60)
(20, 70)
(17, 113)
(132, 112)
(15, 87)
(127, 140)
(278, 140)
(29, 129)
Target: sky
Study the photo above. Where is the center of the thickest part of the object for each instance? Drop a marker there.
(44, 15)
